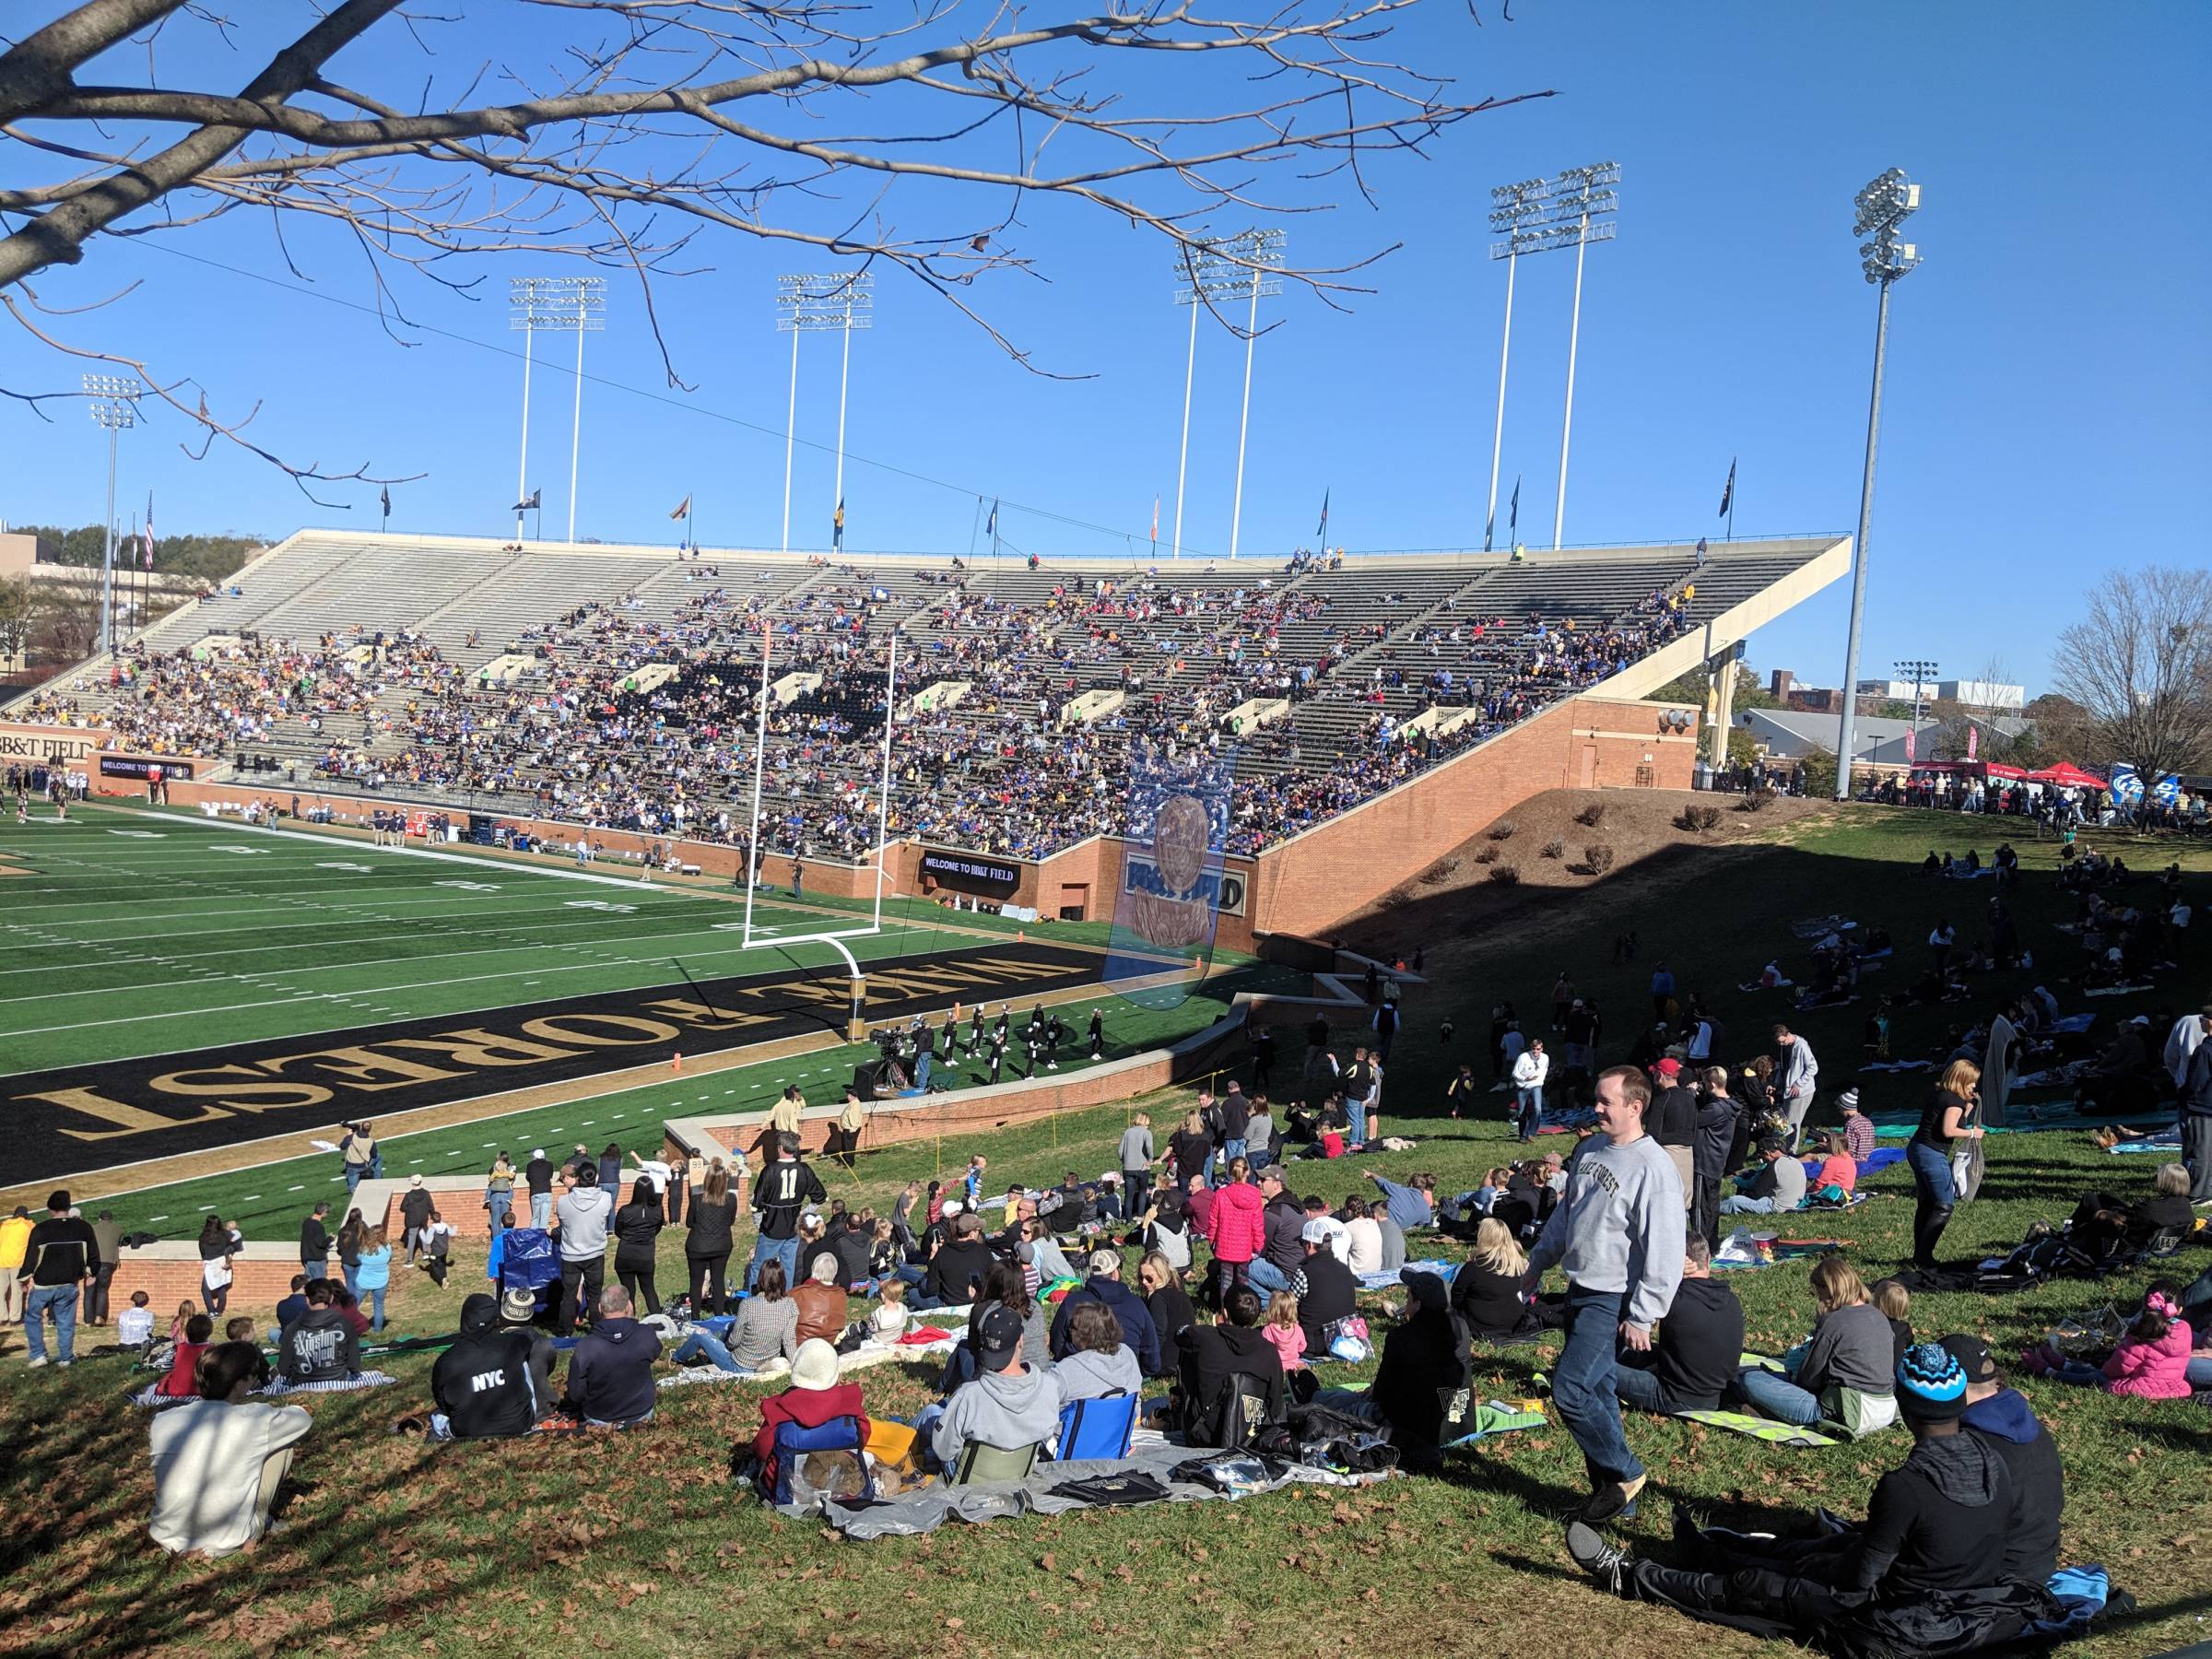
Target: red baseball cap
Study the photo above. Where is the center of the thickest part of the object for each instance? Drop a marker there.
(1668, 1068)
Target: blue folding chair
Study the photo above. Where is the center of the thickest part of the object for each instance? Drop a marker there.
(1097, 1430)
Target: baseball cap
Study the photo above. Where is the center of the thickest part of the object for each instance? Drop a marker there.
(1973, 1354)
(951, 1206)
(537, 1151)
(997, 1336)
(479, 1312)
(1105, 1260)
(1428, 1288)
(1668, 1068)
(1315, 1231)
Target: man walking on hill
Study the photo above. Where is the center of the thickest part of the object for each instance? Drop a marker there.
(1619, 1233)
(1529, 1072)
(1799, 1074)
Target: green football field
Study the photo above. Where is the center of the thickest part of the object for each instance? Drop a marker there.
(129, 934)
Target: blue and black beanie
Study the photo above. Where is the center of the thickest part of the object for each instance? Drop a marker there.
(1931, 1384)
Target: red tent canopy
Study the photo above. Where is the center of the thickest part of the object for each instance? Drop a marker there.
(2065, 776)
(2010, 774)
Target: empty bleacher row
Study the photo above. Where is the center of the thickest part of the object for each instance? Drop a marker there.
(620, 687)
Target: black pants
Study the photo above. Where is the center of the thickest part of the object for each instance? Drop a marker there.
(638, 1283)
(1705, 1207)
(581, 1283)
(1227, 1277)
(674, 1201)
(437, 1263)
(706, 1273)
(215, 1299)
(96, 1297)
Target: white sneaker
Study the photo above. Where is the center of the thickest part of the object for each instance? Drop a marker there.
(64, 1364)
(34, 1364)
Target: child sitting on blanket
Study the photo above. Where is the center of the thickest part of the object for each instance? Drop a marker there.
(134, 1325)
(1896, 1303)
(181, 1383)
(2151, 1362)
(1283, 1332)
(1839, 1171)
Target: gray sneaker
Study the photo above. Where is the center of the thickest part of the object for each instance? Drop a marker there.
(34, 1364)
(1601, 1560)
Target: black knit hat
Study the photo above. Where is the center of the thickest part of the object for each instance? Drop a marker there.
(1931, 1384)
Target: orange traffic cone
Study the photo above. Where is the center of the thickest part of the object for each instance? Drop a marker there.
(677, 1065)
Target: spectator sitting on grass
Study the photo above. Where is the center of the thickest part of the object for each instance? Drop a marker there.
(610, 1372)
(767, 1330)
(815, 1396)
(321, 1346)
(1008, 1406)
(1778, 1186)
(219, 1459)
(1098, 1362)
(1701, 1344)
(491, 1382)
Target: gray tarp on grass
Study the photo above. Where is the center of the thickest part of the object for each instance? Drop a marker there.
(926, 1510)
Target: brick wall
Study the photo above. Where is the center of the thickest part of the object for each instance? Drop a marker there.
(168, 1273)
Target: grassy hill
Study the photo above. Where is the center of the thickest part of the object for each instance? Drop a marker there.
(641, 1545)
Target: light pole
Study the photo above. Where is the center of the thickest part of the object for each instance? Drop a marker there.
(1246, 264)
(1517, 207)
(115, 404)
(1921, 671)
(585, 312)
(531, 306)
(1581, 192)
(1196, 288)
(1881, 208)
(815, 304)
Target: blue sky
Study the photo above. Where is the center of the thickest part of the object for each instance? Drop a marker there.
(2046, 418)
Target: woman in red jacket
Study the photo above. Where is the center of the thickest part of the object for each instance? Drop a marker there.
(1237, 1229)
(815, 1397)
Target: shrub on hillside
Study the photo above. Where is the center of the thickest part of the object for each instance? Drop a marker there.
(1502, 829)
(1592, 816)
(1441, 871)
(1598, 858)
(1505, 875)
(1758, 800)
(1555, 847)
(1486, 856)
(1698, 819)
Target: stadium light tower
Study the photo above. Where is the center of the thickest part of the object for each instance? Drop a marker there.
(1516, 209)
(816, 305)
(583, 309)
(532, 303)
(1586, 194)
(115, 404)
(1881, 208)
(1920, 671)
(1198, 274)
(1244, 269)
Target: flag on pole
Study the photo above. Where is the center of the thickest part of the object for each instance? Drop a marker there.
(387, 500)
(1728, 491)
(1323, 534)
(837, 527)
(530, 502)
(146, 547)
(1512, 524)
(991, 524)
(1156, 521)
(1973, 742)
(683, 509)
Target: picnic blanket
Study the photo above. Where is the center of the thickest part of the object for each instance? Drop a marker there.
(1758, 1428)
(928, 1507)
(1744, 1248)
(1493, 1417)
(1897, 1066)
(2158, 1145)
(276, 1387)
(1385, 1281)
(1814, 927)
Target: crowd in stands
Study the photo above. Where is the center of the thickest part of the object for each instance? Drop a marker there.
(630, 719)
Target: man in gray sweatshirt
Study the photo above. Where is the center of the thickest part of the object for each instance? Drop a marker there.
(1618, 1234)
(583, 1212)
(1008, 1405)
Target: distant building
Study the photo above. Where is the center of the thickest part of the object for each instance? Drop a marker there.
(1813, 699)
(1780, 682)
(1983, 694)
(1788, 735)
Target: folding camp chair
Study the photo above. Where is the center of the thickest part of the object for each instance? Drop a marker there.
(1098, 1428)
(982, 1463)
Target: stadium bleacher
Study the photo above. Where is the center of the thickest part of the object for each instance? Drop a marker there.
(354, 663)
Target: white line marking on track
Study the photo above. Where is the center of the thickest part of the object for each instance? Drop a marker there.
(156, 1217)
(296, 1189)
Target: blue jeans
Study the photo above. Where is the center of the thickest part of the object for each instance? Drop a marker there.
(1741, 1206)
(353, 1177)
(1583, 1385)
(62, 1298)
(1772, 1394)
(353, 1278)
(785, 1251)
(1931, 1170)
(375, 1293)
(1531, 1102)
(698, 1346)
(1265, 1277)
(2200, 1373)
(502, 1205)
(541, 1210)
(922, 1061)
(1231, 1151)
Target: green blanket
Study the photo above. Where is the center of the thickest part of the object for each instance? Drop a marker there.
(1758, 1428)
